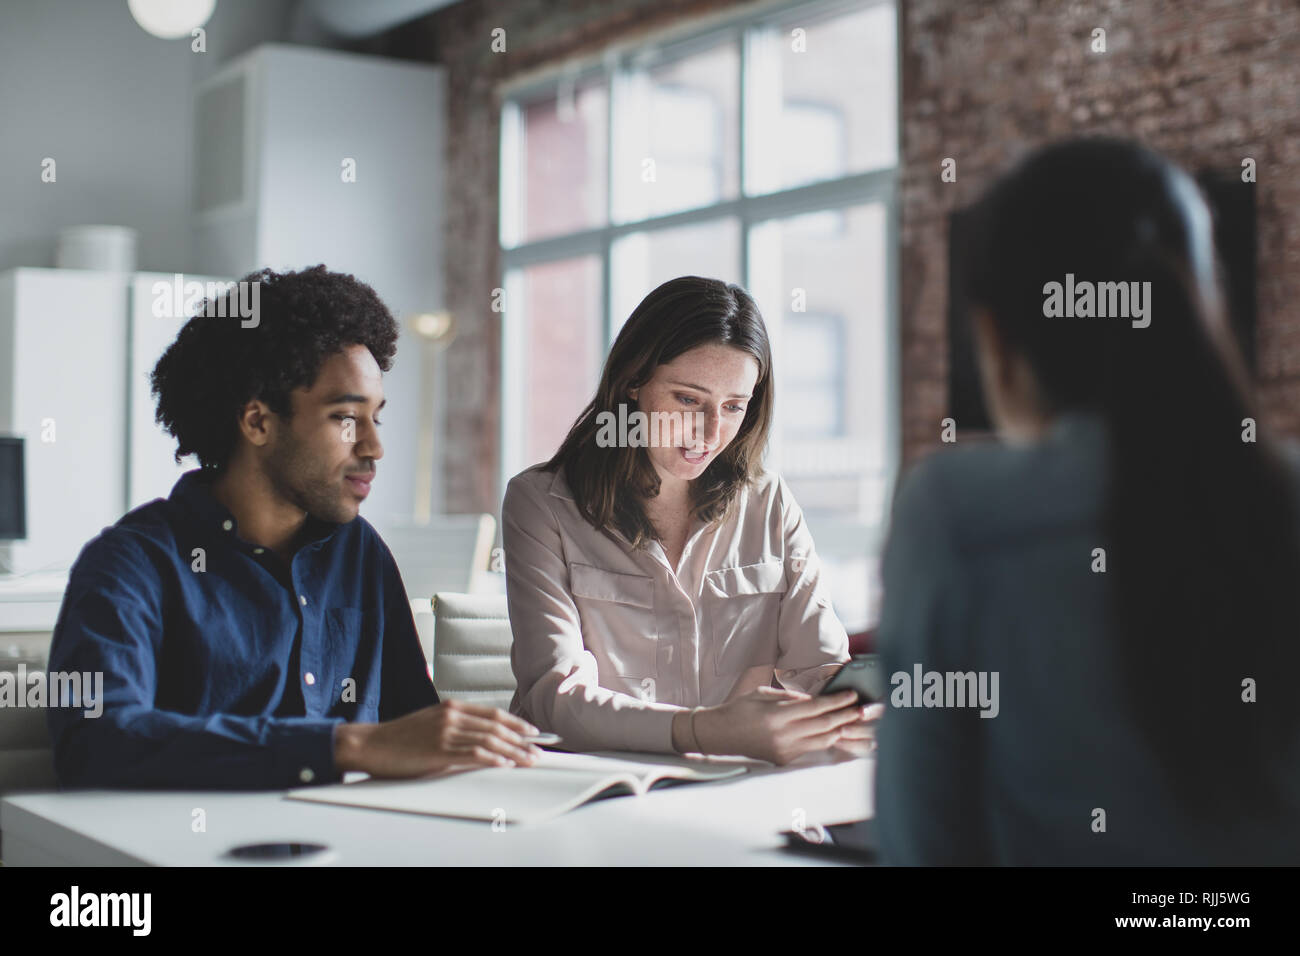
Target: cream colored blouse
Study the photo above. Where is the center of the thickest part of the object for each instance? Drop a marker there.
(610, 642)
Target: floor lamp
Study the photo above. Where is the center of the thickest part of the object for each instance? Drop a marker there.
(435, 331)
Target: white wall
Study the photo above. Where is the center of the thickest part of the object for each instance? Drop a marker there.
(84, 85)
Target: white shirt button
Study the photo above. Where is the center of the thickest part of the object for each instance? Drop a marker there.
(258, 550)
(306, 775)
(227, 524)
(303, 599)
(309, 677)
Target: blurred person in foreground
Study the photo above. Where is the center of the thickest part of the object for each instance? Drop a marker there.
(1125, 560)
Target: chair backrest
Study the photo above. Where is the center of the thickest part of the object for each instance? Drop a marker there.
(471, 649)
(447, 553)
(422, 611)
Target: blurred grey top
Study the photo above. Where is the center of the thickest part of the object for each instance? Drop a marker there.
(989, 568)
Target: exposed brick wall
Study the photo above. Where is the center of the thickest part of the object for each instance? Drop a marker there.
(1206, 81)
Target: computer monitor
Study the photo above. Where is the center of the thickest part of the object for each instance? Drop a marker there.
(13, 493)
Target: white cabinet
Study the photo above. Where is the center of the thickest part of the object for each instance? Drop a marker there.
(150, 469)
(307, 156)
(76, 350)
(63, 372)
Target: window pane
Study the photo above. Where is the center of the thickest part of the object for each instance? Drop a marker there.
(562, 348)
(820, 281)
(822, 94)
(812, 378)
(823, 294)
(558, 165)
(643, 260)
(676, 140)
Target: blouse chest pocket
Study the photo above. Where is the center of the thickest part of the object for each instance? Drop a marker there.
(745, 606)
(618, 619)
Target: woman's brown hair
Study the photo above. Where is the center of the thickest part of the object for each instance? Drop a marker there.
(1201, 518)
(610, 484)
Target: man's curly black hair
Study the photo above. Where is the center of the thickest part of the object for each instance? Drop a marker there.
(216, 365)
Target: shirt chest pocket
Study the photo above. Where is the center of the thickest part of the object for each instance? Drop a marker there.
(618, 618)
(745, 604)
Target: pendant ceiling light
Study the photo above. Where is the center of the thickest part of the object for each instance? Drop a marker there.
(171, 18)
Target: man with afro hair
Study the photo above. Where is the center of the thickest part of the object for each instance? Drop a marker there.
(252, 629)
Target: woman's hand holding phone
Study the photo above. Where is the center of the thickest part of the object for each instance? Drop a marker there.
(779, 725)
(859, 738)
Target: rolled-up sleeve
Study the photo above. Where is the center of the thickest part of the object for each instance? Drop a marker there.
(558, 680)
(111, 627)
(812, 640)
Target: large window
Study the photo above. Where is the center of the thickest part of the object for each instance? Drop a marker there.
(762, 152)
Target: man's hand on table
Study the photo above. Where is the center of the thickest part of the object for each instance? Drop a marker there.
(435, 738)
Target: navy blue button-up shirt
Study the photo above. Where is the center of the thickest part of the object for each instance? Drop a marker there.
(223, 666)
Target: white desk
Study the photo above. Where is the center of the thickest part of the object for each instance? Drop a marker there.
(727, 822)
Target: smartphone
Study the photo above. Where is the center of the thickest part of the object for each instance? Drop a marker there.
(862, 673)
(280, 852)
(851, 842)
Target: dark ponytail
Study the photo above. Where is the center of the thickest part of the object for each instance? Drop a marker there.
(1201, 525)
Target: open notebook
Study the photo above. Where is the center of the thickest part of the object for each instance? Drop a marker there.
(556, 784)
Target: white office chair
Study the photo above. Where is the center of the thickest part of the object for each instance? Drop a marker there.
(470, 653)
(448, 553)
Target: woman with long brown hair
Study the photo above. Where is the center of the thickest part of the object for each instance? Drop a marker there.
(664, 591)
(1125, 563)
